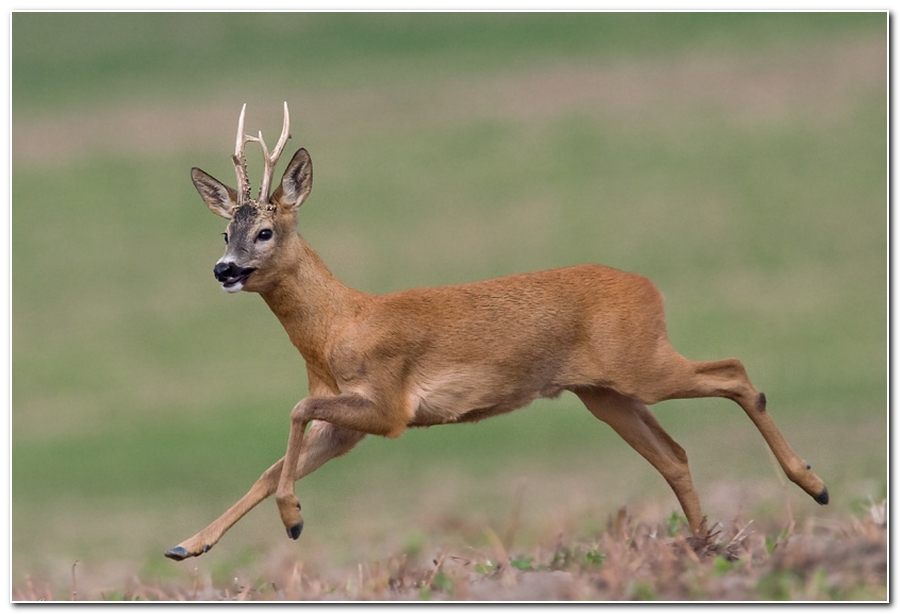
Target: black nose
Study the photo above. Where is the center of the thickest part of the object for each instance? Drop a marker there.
(226, 270)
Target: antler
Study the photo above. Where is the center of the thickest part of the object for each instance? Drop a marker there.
(272, 160)
(240, 162)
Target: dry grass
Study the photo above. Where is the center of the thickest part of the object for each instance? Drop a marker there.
(630, 560)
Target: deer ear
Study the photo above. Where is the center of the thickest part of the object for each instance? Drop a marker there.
(218, 197)
(296, 183)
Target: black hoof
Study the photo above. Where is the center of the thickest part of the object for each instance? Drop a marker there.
(177, 553)
(294, 531)
(822, 499)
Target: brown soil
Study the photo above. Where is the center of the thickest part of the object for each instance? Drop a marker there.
(630, 560)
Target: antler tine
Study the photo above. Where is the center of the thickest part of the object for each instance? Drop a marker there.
(240, 162)
(272, 160)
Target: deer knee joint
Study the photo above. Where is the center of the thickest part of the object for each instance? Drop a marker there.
(300, 413)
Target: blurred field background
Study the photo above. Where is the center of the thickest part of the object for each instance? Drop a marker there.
(738, 160)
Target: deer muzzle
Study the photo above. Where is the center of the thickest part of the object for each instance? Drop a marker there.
(231, 275)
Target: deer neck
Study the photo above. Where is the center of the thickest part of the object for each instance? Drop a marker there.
(310, 302)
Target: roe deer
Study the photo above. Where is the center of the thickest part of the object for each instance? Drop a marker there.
(381, 364)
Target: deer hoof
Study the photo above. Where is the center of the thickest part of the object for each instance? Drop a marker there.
(294, 531)
(178, 553)
(822, 499)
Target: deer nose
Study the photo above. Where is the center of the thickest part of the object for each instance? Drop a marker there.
(226, 270)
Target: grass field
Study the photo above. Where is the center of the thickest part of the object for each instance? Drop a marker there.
(738, 160)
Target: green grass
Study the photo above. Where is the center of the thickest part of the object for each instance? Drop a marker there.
(737, 160)
(93, 58)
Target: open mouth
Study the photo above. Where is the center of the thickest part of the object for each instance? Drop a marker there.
(233, 279)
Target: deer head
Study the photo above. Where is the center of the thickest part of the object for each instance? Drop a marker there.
(258, 228)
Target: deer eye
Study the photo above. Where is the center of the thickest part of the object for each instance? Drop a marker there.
(225, 235)
(264, 235)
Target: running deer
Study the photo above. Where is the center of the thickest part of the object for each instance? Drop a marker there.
(379, 364)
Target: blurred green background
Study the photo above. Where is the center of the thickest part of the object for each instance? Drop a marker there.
(738, 160)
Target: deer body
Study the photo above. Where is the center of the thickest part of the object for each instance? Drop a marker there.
(378, 364)
(460, 353)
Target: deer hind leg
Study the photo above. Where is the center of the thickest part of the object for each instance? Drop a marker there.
(728, 379)
(323, 442)
(636, 425)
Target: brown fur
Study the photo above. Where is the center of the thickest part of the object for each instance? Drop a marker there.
(422, 357)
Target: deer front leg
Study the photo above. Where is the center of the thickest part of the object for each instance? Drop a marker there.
(353, 412)
(323, 442)
(207, 538)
